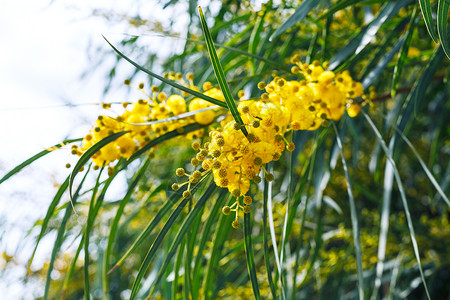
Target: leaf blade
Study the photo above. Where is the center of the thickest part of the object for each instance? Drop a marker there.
(442, 19)
(36, 157)
(169, 82)
(425, 6)
(250, 258)
(220, 76)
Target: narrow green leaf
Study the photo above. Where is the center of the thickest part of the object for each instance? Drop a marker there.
(169, 82)
(154, 247)
(305, 7)
(417, 94)
(176, 271)
(36, 157)
(164, 137)
(71, 268)
(90, 221)
(216, 209)
(425, 6)
(146, 263)
(381, 49)
(442, 19)
(88, 154)
(115, 224)
(146, 232)
(181, 233)
(250, 258)
(60, 235)
(48, 216)
(223, 230)
(363, 38)
(398, 180)
(404, 52)
(220, 76)
(353, 216)
(382, 64)
(424, 166)
(273, 288)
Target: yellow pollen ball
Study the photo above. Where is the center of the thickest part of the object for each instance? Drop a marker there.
(180, 172)
(226, 210)
(236, 192)
(235, 224)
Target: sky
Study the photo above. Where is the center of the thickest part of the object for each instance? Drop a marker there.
(44, 52)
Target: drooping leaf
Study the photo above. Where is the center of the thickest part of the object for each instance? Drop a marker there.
(412, 234)
(442, 20)
(425, 6)
(168, 81)
(404, 52)
(250, 258)
(353, 216)
(36, 157)
(363, 38)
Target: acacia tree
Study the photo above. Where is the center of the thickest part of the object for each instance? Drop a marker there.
(293, 150)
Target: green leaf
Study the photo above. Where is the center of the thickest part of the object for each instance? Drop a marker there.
(273, 288)
(60, 235)
(164, 137)
(424, 166)
(181, 233)
(366, 34)
(36, 157)
(442, 19)
(417, 94)
(88, 154)
(382, 64)
(115, 224)
(398, 180)
(154, 247)
(48, 216)
(425, 6)
(353, 216)
(222, 232)
(147, 231)
(92, 213)
(219, 74)
(250, 258)
(305, 7)
(216, 209)
(152, 251)
(404, 52)
(168, 81)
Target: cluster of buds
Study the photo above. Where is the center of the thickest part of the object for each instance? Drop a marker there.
(156, 107)
(236, 160)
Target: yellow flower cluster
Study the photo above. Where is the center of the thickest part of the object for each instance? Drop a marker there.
(235, 160)
(141, 120)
